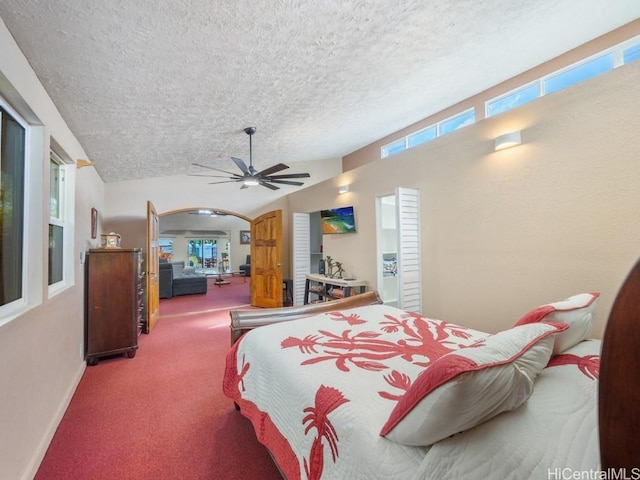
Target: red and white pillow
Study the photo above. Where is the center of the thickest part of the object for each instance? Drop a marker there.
(472, 385)
(576, 311)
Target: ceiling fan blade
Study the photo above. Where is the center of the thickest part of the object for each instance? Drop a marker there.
(226, 181)
(268, 185)
(290, 175)
(285, 182)
(273, 169)
(214, 168)
(241, 165)
(235, 176)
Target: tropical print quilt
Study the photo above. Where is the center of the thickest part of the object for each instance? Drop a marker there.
(319, 389)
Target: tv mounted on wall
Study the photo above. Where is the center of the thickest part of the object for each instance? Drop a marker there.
(338, 220)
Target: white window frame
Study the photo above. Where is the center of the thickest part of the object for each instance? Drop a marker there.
(618, 61)
(65, 219)
(522, 87)
(32, 228)
(576, 65)
(453, 117)
(618, 58)
(384, 150)
(433, 127)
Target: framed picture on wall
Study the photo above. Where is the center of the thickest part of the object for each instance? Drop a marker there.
(94, 223)
(245, 237)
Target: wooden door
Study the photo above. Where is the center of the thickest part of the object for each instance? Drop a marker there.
(152, 261)
(266, 260)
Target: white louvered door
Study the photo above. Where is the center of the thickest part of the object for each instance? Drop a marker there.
(408, 218)
(301, 255)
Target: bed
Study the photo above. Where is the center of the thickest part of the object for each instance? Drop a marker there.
(360, 390)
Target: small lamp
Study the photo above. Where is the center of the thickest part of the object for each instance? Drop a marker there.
(507, 140)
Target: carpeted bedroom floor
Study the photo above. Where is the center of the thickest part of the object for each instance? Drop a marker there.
(162, 414)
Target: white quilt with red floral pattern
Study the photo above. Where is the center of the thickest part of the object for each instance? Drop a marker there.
(319, 389)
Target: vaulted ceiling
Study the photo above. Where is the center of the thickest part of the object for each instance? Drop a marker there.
(149, 88)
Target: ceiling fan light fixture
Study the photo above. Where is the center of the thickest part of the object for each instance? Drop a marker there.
(250, 176)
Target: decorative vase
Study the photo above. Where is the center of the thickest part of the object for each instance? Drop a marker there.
(110, 240)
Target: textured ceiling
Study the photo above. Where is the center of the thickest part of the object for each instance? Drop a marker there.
(150, 87)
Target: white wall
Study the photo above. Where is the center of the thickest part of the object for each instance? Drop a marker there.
(40, 361)
(506, 231)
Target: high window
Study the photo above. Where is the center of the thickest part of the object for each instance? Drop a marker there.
(631, 54)
(429, 133)
(578, 73)
(604, 61)
(513, 99)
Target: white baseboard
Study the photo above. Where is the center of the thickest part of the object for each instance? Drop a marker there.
(40, 452)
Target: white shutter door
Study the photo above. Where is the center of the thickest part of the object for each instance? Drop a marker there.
(301, 255)
(409, 284)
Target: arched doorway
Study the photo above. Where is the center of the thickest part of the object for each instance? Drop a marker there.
(207, 239)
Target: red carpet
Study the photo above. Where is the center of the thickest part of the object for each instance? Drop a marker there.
(236, 294)
(162, 414)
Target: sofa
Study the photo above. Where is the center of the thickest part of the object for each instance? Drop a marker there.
(246, 267)
(176, 279)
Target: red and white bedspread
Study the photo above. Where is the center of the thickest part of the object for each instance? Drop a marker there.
(319, 389)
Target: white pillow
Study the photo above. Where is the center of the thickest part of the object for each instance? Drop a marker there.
(576, 311)
(472, 385)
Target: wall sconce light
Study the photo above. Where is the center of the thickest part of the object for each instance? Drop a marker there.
(507, 140)
(343, 189)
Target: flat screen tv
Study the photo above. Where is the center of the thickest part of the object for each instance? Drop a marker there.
(338, 220)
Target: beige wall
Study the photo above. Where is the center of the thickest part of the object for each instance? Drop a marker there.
(503, 232)
(40, 360)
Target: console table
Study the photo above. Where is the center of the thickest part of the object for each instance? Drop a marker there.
(327, 288)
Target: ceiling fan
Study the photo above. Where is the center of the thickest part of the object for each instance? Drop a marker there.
(208, 213)
(250, 176)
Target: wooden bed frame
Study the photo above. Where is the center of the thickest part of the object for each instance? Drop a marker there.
(619, 382)
(619, 378)
(244, 320)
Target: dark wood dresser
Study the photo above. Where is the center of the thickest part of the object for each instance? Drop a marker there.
(113, 302)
